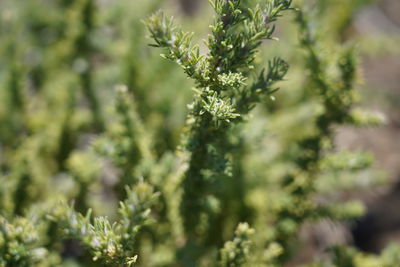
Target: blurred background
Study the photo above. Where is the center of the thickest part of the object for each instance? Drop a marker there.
(59, 63)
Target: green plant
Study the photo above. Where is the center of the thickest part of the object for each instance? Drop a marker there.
(232, 184)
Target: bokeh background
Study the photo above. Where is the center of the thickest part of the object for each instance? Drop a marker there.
(47, 57)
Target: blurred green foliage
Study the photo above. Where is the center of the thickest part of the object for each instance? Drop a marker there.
(94, 122)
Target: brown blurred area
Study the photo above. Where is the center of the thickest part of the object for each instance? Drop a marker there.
(189, 6)
(381, 91)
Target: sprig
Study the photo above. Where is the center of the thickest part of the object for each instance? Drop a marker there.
(110, 242)
(237, 251)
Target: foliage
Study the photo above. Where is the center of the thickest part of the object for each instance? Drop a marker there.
(97, 177)
(237, 251)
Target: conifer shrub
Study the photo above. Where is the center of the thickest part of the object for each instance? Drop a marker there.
(217, 153)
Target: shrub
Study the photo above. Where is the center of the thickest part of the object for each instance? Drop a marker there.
(90, 182)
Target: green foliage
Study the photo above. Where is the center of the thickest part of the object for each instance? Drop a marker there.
(111, 242)
(20, 243)
(161, 175)
(222, 94)
(237, 251)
